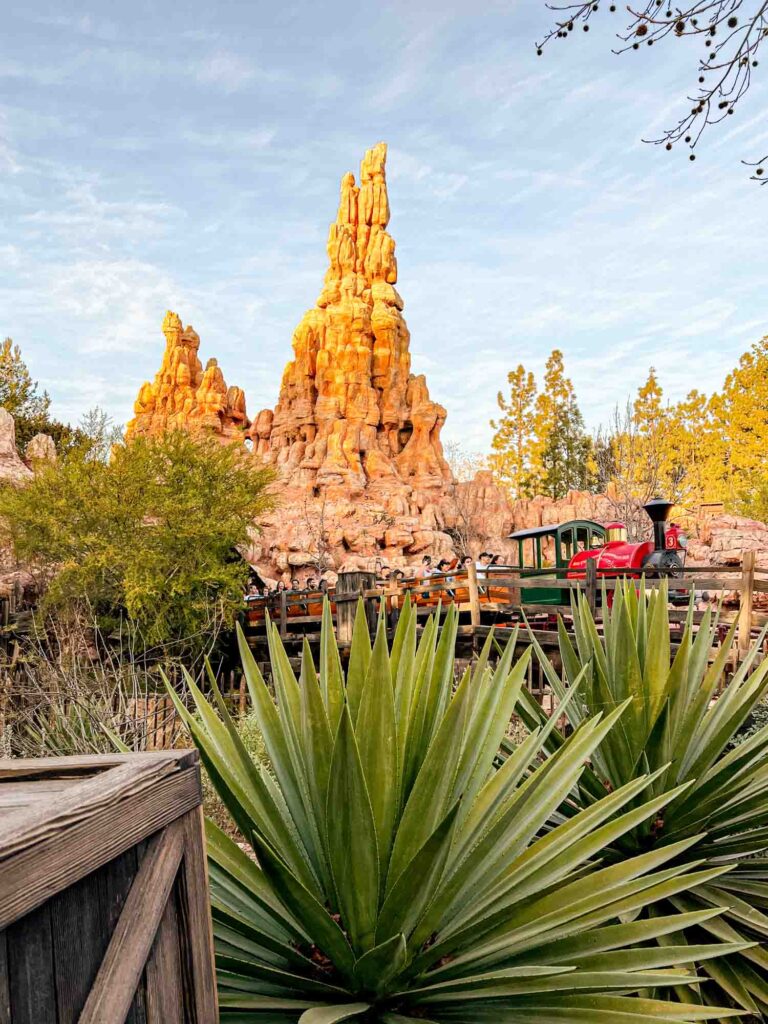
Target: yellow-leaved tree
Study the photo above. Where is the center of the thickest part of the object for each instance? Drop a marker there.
(540, 445)
(513, 442)
(740, 417)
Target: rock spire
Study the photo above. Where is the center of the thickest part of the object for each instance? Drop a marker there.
(183, 395)
(351, 417)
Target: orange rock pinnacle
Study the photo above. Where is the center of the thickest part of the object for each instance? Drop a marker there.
(183, 395)
(350, 414)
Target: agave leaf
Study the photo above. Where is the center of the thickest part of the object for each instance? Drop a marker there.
(359, 659)
(317, 742)
(400, 650)
(376, 734)
(331, 1014)
(432, 790)
(398, 1018)
(281, 733)
(491, 714)
(352, 839)
(379, 965)
(411, 735)
(242, 786)
(319, 924)
(331, 676)
(412, 891)
(294, 985)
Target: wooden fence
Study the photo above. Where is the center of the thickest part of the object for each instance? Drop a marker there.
(104, 906)
(499, 597)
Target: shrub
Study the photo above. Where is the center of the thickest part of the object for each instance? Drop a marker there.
(151, 534)
(400, 878)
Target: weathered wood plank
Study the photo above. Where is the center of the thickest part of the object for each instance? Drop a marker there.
(196, 931)
(56, 849)
(5, 995)
(165, 996)
(79, 942)
(116, 879)
(113, 991)
(89, 764)
(30, 969)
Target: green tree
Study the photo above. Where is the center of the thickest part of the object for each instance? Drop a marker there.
(740, 413)
(98, 433)
(19, 393)
(30, 407)
(150, 534)
(562, 451)
(513, 441)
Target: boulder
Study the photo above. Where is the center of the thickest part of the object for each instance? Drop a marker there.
(12, 469)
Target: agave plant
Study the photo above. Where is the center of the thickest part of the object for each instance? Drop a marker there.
(396, 876)
(677, 725)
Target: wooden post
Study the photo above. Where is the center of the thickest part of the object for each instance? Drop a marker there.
(243, 694)
(474, 595)
(746, 602)
(283, 613)
(353, 584)
(591, 585)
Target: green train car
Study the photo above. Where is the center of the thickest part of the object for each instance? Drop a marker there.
(546, 551)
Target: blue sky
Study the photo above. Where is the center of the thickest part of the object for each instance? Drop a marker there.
(188, 156)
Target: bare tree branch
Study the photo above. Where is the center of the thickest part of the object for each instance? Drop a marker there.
(731, 31)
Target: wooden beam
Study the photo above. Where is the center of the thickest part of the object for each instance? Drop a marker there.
(117, 980)
(195, 912)
(746, 602)
(89, 764)
(60, 840)
(474, 595)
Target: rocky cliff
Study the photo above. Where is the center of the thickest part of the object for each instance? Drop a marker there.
(355, 435)
(351, 417)
(12, 468)
(185, 396)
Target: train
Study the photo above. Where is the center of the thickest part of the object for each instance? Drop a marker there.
(662, 556)
(564, 548)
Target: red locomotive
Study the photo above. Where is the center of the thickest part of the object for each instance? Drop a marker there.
(662, 556)
(561, 550)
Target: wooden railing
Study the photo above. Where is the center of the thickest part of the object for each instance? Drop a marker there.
(498, 596)
(104, 906)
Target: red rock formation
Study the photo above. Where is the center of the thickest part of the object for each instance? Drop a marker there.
(12, 469)
(185, 396)
(355, 435)
(351, 417)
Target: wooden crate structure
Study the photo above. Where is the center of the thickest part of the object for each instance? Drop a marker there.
(104, 907)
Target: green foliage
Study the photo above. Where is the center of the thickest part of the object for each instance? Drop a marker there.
(215, 809)
(151, 534)
(676, 727)
(401, 879)
(540, 445)
(513, 441)
(30, 407)
(19, 393)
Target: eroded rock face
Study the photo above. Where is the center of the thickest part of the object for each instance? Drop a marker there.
(355, 435)
(41, 448)
(185, 396)
(351, 418)
(12, 469)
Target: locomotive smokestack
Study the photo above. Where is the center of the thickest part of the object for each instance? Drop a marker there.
(658, 512)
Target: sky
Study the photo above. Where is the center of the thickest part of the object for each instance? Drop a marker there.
(187, 156)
